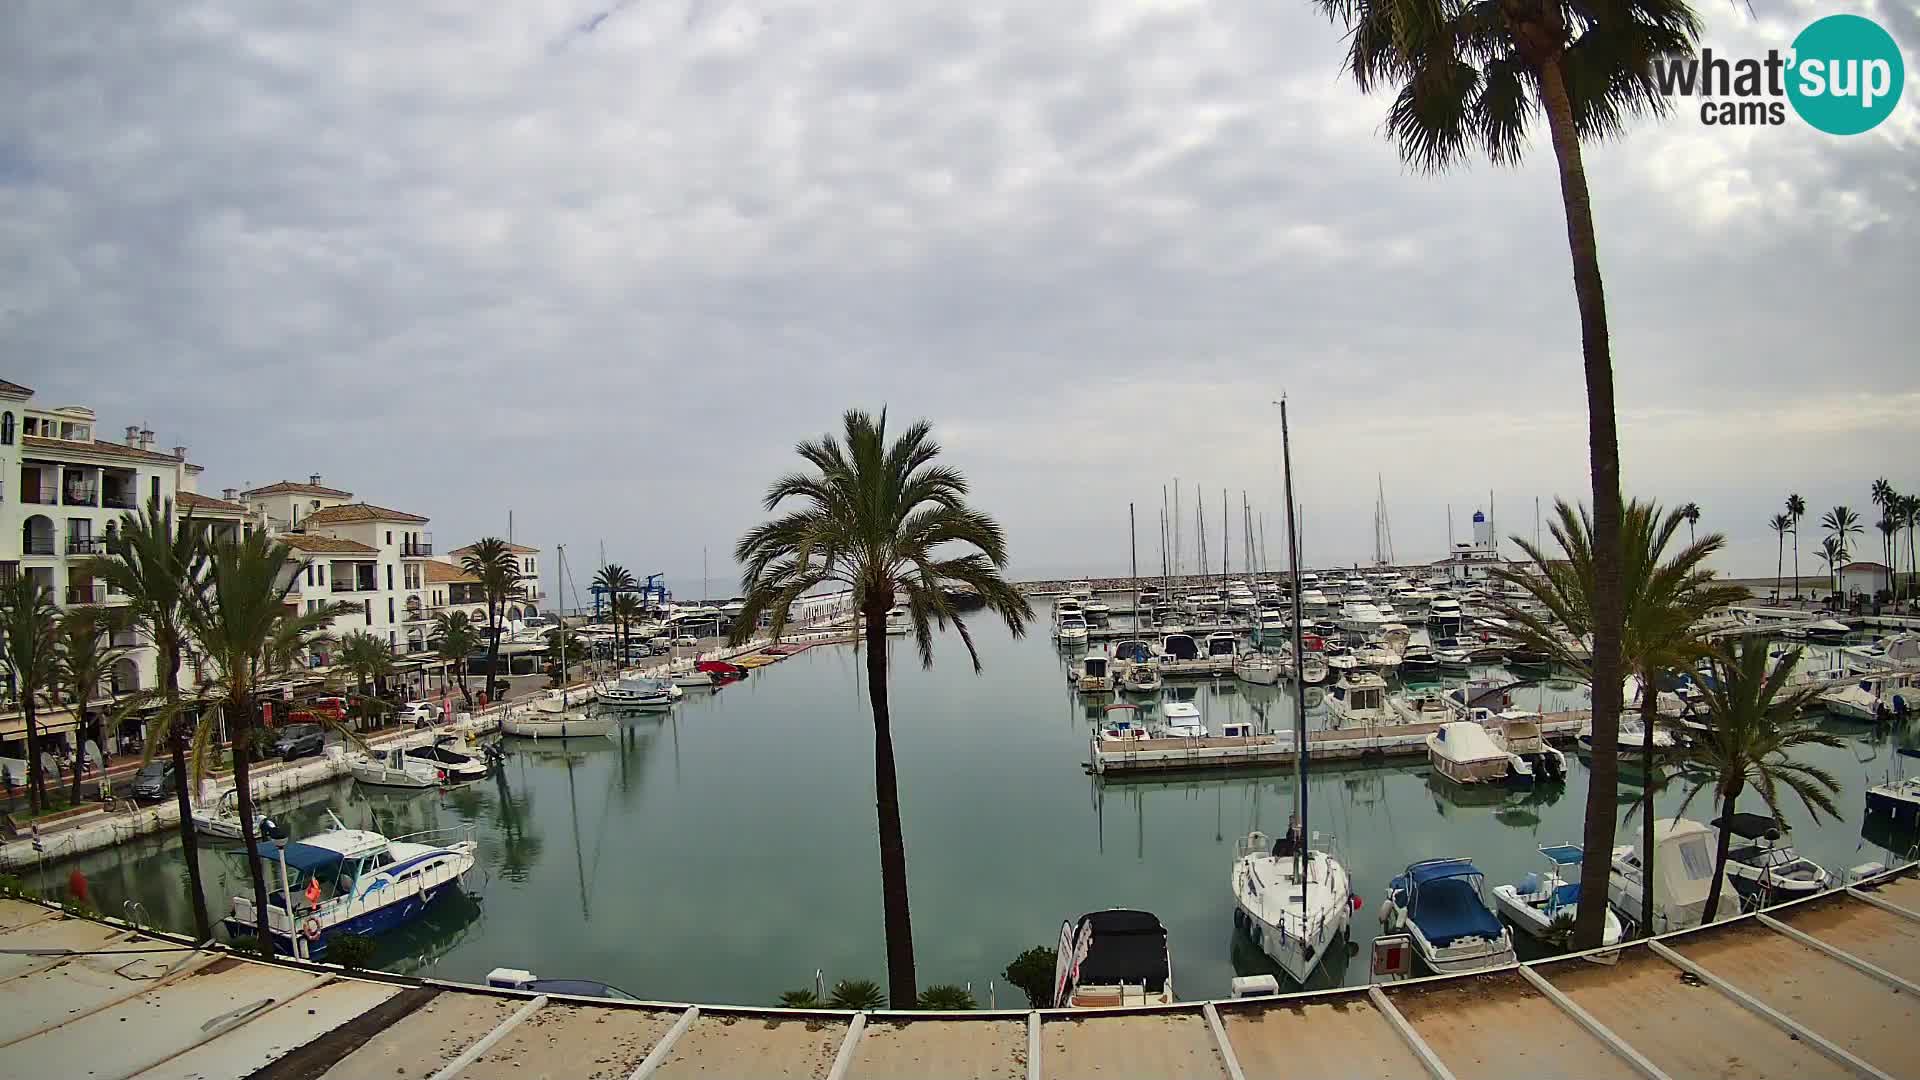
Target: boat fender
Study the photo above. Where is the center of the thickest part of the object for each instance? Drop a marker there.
(310, 929)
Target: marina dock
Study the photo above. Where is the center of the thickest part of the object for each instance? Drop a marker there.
(1116, 757)
(1823, 987)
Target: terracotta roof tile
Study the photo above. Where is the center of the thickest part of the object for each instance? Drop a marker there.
(193, 500)
(519, 549)
(356, 512)
(288, 487)
(110, 449)
(14, 388)
(326, 545)
(439, 573)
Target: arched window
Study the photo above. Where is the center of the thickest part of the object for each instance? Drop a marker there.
(6, 429)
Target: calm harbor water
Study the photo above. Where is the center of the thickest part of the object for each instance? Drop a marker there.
(725, 852)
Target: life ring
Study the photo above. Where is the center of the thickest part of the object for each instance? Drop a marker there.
(310, 929)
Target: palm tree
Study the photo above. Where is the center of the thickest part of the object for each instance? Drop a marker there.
(1796, 509)
(626, 609)
(84, 657)
(497, 568)
(883, 520)
(28, 644)
(248, 630)
(1753, 725)
(1470, 78)
(369, 660)
(1779, 523)
(158, 563)
(1889, 529)
(1840, 523)
(455, 638)
(1888, 500)
(1910, 517)
(612, 580)
(1691, 512)
(1665, 601)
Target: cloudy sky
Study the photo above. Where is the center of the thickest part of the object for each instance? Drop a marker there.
(603, 263)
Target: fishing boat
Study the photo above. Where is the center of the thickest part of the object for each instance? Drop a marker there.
(393, 768)
(1094, 675)
(1763, 865)
(638, 692)
(1113, 958)
(1683, 876)
(574, 725)
(1359, 699)
(1544, 905)
(222, 819)
(1439, 904)
(1256, 668)
(353, 881)
(1181, 720)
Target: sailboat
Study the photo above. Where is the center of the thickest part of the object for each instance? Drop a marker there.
(1294, 901)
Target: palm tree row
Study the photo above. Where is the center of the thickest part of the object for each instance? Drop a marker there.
(1898, 513)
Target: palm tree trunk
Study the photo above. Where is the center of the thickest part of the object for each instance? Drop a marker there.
(493, 648)
(901, 989)
(1719, 857)
(1796, 561)
(36, 783)
(1604, 460)
(1779, 561)
(1649, 708)
(176, 746)
(79, 751)
(240, 716)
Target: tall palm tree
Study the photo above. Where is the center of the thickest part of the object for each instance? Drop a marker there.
(1841, 523)
(1470, 78)
(883, 520)
(369, 660)
(1889, 529)
(612, 580)
(455, 638)
(249, 631)
(1666, 597)
(1691, 512)
(497, 568)
(1779, 523)
(158, 563)
(1753, 725)
(626, 609)
(28, 643)
(84, 656)
(1910, 517)
(1831, 554)
(1796, 509)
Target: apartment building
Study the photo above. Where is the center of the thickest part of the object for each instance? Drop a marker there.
(355, 553)
(462, 591)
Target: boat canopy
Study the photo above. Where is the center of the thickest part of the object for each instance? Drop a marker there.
(1123, 946)
(1135, 651)
(302, 858)
(1563, 854)
(1439, 869)
(1750, 826)
(1444, 902)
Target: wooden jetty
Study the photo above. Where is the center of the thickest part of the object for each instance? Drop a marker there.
(1823, 987)
(1120, 757)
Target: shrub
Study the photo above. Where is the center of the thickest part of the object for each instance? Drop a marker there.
(947, 997)
(857, 994)
(1032, 972)
(800, 999)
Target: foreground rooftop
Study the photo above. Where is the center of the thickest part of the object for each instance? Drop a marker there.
(1826, 987)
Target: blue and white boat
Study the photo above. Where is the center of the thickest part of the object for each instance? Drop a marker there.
(353, 881)
(1439, 904)
(1539, 901)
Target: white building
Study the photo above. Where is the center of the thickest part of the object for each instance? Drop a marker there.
(1470, 562)
(531, 593)
(62, 494)
(1865, 579)
(356, 553)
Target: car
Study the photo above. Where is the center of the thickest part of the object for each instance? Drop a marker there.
(299, 740)
(686, 641)
(156, 780)
(420, 713)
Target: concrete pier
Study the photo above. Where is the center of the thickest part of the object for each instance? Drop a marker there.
(1111, 758)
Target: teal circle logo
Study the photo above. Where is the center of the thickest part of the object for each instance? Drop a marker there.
(1846, 74)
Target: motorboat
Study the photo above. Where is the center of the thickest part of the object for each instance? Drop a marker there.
(527, 982)
(1528, 658)
(1096, 609)
(1464, 752)
(222, 819)
(458, 765)
(1875, 697)
(1256, 668)
(1312, 671)
(1633, 737)
(1683, 874)
(686, 673)
(1763, 866)
(353, 881)
(1488, 694)
(573, 725)
(1359, 615)
(1181, 720)
(1359, 699)
(723, 671)
(1439, 904)
(1094, 675)
(1444, 611)
(1665, 702)
(1899, 797)
(1313, 601)
(1071, 629)
(1827, 631)
(1294, 902)
(1418, 661)
(394, 768)
(639, 692)
(1237, 729)
(1521, 736)
(1223, 646)
(1120, 723)
(1376, 657)
(898, 621)
(1179, 647)
(1067, 605)
(1545, 905)
(1113, 958)
(1421, 707)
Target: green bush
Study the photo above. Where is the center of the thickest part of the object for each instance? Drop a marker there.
(857, 994)
(800, 999)
(946, 997)
(1032, 972)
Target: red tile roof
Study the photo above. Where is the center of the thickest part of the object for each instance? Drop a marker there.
(110, 449)
(520, 549)
(357, 512)
(14, 388)
(289, 487)
(439, 573)
(193, 500)
(326, 545)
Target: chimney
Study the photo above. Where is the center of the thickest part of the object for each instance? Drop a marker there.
(230, 494)
(179, 453)
(146, 438)
(314, 479)
(133, 434)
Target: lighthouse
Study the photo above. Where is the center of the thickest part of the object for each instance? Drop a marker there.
(1482, 531)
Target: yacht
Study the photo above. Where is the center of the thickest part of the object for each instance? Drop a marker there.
(1096, 609)
(686, 672)
(1071, 629)
(1113, 958)
(1763, 865)
(1541, 904)
(1067, 605)
(1358, 615)
(1438, 903)
(1376, 657)
(458, 765)
(393, 768)
(1312, 671)
(639, 692)
(1293, 902)
(573, 725)
(1421, 707)
(1314, 603)
(1418, 661)
(1259, 669)
(353, 881)
(1359, 699)
(1181, 720)
(1683, 875)
(1444, 611)
(1222, 645)
(1094, 675)
(1875, 696)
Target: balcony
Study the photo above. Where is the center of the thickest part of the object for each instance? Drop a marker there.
(86, 594)
(349, 587)
(86, 545)
(38, 498)
(416, 549)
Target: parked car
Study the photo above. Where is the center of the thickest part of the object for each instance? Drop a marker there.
(420, 713)
(156, 780)
(299, 740)
(686, 641)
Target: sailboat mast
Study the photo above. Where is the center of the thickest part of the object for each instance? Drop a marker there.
(1225, 551)
(1299, 663)
(1176, 526)
(1133, 555)
(562, 550)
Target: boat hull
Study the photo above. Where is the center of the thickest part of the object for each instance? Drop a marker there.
(372, 923)
(575, 727)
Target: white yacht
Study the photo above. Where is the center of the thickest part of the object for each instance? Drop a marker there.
(1292, 901)
(1314, 603)
(639, 692)
(1875, 696)
(686, 672)
(1181, 720)
(222, 820)
(1683, 874)
(1111, 959)
(1439, 904)
(1222, 646)
(571, 725)
(1540, 903)
(393, 768)
(1096, 608)
(457, 765)
(1443, 610)
(1762, 864)
(1421, 707)
(1259, 669)
(1359, 615)
(1071, 629)
(1359, 699)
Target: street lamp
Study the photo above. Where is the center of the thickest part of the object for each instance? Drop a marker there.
(277, 833)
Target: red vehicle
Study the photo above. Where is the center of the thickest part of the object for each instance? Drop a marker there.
(721, 670)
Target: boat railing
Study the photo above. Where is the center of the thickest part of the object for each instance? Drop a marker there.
(447, 836)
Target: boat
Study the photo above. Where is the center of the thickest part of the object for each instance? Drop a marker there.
(1464, 752)
(1237, 729)
(1633, 737)
(562, 700)
(1181, 720)
(1359, 615)
(1071, 629)
(1293, 902)
(1528, 659)
(222, 820)
(1113, 958)
(1421, 707)
(1439, 904)
(1544, 906)
(527, 982)
(1826, 631)
(1683, 874)
(898, 621)
(1094, 675)
(1179, 647)
(1418, 661)
(1444, 611)
(353, 881)
(1312, 671)
(1080, 590)
(1222, 646)
(1141, 677)
(458, 765)
(393, 768)
(1763, 866)
(1096, 609)
(1875, 697)
(1519, 733)
(1899, 797)
(639, 692)
(1256, 668)
(1359, 699)
(1376, 657)
(1488, 694)
(574, 725)
(1120, 723)
(686, 673)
